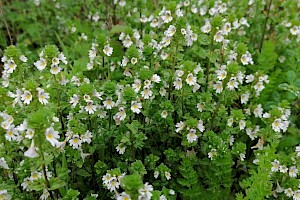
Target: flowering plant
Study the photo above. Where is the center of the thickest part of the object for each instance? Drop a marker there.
(186, 102)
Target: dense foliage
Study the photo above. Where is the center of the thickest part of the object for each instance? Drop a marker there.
(150, 99)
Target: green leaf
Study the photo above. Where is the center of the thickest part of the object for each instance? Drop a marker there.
(56, 183)
(289, 141)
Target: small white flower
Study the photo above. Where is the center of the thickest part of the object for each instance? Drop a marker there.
(245, 98)
(179, 126)
(23, 58)
(293, 171)
(168, 175)
(31, 153)
(136, 107)
(212, 153)
(190, 79)
(55, 69)
(108, 103)
(42, 96)
(218, 86)
(3, 163)
(52, 136)
(191, 136)
(26, 97)
(232, 83)
(283, 169)
(177, 83)
(164, 114)
(75, 142)
(41, 64)
(206, 28)
(108, 50)
(200, 126)
(90, 107)
(121, 148)
(289, 192)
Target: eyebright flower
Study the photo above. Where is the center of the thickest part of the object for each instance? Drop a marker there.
(218, 87)
(121, 148)
(108, 50)
(42, 96)
(124, 196)
(275, 166)
(190, 79)
(135, 107)
(52, 136)
(41, 64)
(293, 171)
(191, 136)
(3, 163)
(31, 153)
(177, 83)
(26, 97)
(180, 126)
(212, 153)
(108, 103)
(164, 114)
(75, 142)
(206, 28)
(90, 107)
(55, 69)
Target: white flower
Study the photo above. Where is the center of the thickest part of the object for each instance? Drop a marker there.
(43, 97)
(164, 114)
(170, 31)
(113, 184)
(62, 58)
(206, 28)
(276, 125)
(179, 126)
(145, 193)
(283, 169)
(10, 66)
(200, 107)
(293, 171)
(31, 153)
(40, 64)
(296, 195)
(230, 122)
(45, 194)
(289, 192)
(4, 195)
(55, 69)
(242, 124)
(108, 50)
(232, 83)
(108, 103)
(52, 136)
(177, 83)
(155, 78)
(212, 153)
(164, 55)
(242, 156)
(123, 196)
(74, 100)
(127, 42)
(246, 58)
(156, 174)
(121, 114)
(146, 93)
(133, 60)
(136, 107)
(218, 87)
(168, 175)
(258, 111)
(121, 148)
(200, 126)
(90, 107)
(218, 37)
(221, 74)
(191, 136)
(26, 97)
(245, 98)
(75, 142)
(167, 17)
(3, 163)
(190, 79)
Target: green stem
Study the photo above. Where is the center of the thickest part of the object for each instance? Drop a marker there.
(265, 25)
